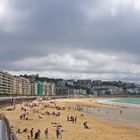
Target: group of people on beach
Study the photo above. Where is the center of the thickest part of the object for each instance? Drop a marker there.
(41, 113)
(72, 119)
(31, 107)
(36, 134)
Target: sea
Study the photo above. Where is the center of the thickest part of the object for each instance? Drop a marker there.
(126, 102)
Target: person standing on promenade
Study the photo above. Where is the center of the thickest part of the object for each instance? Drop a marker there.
(12, 101)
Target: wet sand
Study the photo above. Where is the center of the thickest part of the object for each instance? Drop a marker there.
(100, 129)
(129, 116)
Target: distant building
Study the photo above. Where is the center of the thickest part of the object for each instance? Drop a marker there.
(21, 86)
(25, 86)
(32, 88)
(39, 89)
(69, 82)
(6, 83)
(62, 91)
(30, 85)
(61, 83)
(44, 88)
(17, 85)
(36, 85)
(70, 91)
(85, 83)
(51, 89)
(79, 91)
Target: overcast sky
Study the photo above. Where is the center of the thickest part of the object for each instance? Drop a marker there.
(97, 39)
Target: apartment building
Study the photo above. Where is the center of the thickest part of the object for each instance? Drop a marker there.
(21, 86)
(6, 83)
(51, 89)
(17, 85)
(85, 83)
(39, 88)
(32, 88)
(44, 90)
(25, 86)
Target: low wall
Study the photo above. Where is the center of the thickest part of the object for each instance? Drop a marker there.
(14, 100)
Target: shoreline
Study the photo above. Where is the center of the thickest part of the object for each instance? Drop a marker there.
(110, 101)
(109, 112)
(121, 121)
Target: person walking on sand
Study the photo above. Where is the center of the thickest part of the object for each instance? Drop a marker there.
(58, 132)
(46, 133)
(67, 118)
(31, 132)
(75, 119)
(37, 134)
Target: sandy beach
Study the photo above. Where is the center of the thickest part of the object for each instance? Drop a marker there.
(99, 129)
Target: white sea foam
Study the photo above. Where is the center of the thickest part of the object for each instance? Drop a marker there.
(110, 102)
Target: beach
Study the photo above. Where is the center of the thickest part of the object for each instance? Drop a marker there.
(99, 127)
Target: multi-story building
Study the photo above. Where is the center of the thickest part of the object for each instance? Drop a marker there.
(79, 91)
(21, 86)
(25, 86)
(36, 85)
(61, 83)
(32, 88)
(6, 83)
(17, 85)
(39, 88)
(69, 82)
(51, 89)
(44, 88)
(62, 91)
(85, 83)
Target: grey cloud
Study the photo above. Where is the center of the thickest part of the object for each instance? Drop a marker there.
(46, 27)
(61, 24)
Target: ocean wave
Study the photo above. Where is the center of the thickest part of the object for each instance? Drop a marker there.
(112, 102)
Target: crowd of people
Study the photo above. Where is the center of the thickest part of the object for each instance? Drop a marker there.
(41, 109)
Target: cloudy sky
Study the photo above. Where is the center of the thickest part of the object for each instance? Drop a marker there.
(97, 39)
